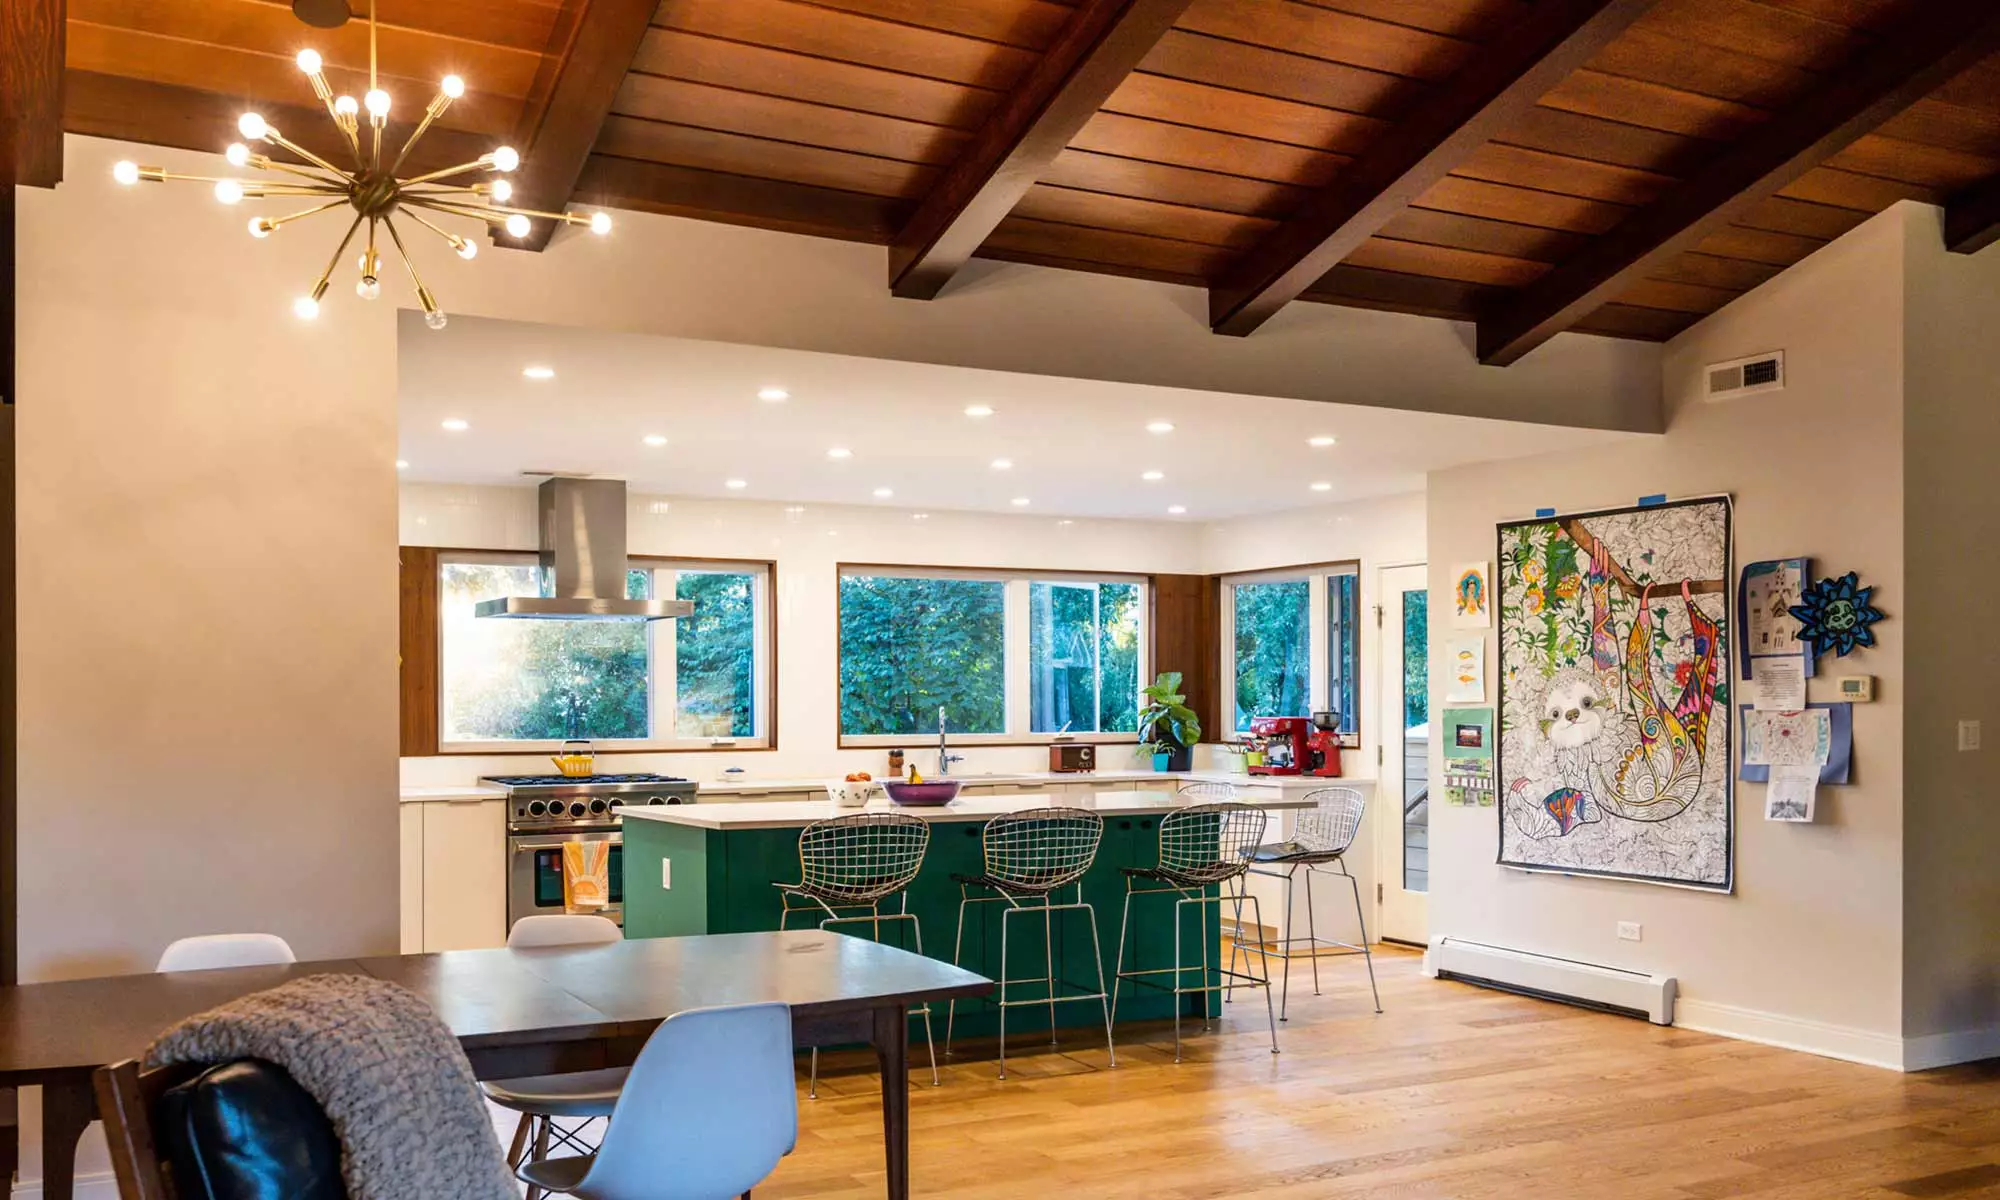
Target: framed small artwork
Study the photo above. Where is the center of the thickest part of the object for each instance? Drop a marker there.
(1472, 596)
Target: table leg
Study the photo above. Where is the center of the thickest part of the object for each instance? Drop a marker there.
(68, 1108)
(892, 1051)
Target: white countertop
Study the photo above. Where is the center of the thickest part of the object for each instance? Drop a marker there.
(793, 814)
(756, 786)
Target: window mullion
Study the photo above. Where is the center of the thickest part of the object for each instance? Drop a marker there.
(1017, 622)
(1316, 641)
(666, 657)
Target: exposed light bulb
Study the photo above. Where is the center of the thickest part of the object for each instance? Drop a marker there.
(252, 126)
(261, 227)
(435, 318)
(368, 287)
(506, 158)
(377, 102)
(452, 86)
(238, 154)
(126, 173)
(503, 191)
(305, 308)
(346, 106)
(467, 248)
(600, 223)
(228, 191)
(309, 61)
(517, 226)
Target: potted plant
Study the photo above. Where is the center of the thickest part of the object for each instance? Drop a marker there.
(1167, 725)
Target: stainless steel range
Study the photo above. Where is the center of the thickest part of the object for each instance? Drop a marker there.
(546, 811)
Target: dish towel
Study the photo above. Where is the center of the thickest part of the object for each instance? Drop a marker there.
(586, 876)
(392, 1079)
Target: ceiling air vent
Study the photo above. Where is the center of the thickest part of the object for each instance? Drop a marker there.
(1747, 376)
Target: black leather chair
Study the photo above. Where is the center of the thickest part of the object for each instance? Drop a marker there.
(236, 1131)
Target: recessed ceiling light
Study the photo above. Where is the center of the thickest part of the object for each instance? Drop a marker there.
(1176, 509)
(920, 516)
(455, 425)
(538, 372)
(656, 439)
(1322, 487)
(736, 485)
(1003, 464)
(979, 410)
(1019, 502)
(884, 493)
(795, 509)
(1153, 476)
(1160, 427)
(1065, 521)
(840, 452)
(1321, 442)
(402, 464)
(773, 394)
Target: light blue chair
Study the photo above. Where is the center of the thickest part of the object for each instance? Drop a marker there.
(707, 1112)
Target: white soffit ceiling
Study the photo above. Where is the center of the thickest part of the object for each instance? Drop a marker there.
(1077, 447)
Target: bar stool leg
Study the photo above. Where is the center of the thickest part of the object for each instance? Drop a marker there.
(1004, 914)
(957, 959)
(1285, 993)
(930, 1041)
(1177, 978)
(1311, 930)
(1201, 939)
(1049, 957)
(1367, 955)
(1097, 959)
(1235, 945)
(1118, 969)
(1269, 1012)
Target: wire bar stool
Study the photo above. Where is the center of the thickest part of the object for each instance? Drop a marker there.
(848, 868)
(1201, 846)
(1320, 840)
(1027, 858)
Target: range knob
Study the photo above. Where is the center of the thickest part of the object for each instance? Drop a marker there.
(655, 800)
(576, 808)
(537, 808)
(597, 806)
(616, 802)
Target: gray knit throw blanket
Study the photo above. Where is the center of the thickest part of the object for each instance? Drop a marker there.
(390, 1075)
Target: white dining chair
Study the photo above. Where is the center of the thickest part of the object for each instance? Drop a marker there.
(708, 1112)
(214, 950)
(581, 1096)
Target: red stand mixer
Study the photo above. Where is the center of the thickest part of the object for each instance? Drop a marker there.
(1298, 745)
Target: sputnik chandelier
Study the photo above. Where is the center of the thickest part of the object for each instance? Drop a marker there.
(372, 187)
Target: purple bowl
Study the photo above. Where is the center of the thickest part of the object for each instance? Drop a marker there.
(922, 795)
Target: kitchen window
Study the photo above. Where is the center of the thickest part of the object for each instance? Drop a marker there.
(1008, 656)
(1291, 644)
(700, 681)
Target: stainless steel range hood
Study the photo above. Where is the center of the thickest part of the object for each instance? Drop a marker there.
(583, 548)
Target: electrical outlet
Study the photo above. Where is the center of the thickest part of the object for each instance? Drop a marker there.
(1968, 735)
(1630, 931)
(666, 874)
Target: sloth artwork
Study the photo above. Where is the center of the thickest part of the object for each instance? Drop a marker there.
(1614, 710)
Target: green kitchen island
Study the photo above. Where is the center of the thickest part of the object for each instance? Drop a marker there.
(713, 868)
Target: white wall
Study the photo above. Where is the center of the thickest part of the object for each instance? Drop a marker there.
(1809, 949)
(1951, 889)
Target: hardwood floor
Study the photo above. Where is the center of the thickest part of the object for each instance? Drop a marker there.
(1452, 1092)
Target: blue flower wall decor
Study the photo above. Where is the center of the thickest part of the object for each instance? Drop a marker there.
(1835, 614)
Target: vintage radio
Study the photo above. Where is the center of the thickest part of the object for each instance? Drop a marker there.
(1068, 756)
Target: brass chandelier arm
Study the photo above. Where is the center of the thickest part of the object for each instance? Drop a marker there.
(457, 210)
(432, 112)
(478, 164)
(424, 297)
(450, 238)
(499, 212)
(279, 139)
(319, 289)
(271, 223)
(265, 162)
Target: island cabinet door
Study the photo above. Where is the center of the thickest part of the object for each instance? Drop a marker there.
(756, 861)
(1149, 937)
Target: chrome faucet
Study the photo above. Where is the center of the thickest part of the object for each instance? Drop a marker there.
(945, 756)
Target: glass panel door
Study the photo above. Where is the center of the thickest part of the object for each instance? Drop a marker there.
(1403, 785)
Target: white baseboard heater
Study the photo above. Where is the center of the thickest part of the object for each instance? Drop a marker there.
(1607, 989)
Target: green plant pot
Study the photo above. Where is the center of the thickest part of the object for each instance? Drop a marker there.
(1253, 760)
(1174, 760)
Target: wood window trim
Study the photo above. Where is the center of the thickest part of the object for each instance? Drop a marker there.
(422, 649)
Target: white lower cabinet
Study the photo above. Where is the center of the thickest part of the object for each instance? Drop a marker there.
(412, 876)
(464, 886)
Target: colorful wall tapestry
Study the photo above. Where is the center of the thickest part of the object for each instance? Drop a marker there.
(1614, 694)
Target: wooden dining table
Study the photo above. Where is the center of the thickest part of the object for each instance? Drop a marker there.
(516, 1012)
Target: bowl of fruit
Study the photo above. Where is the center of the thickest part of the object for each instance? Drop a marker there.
(851, 792)
(918, 792)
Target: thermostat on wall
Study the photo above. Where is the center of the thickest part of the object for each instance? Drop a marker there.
(1857, 689)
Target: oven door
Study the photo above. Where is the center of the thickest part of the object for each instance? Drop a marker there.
(535, 873)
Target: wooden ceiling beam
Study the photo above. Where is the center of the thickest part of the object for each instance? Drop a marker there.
(1972, 218)
(1492, 92)
(1097, 48)
(788, 207)
(556, 136)
(1888, 77)
(31, 85)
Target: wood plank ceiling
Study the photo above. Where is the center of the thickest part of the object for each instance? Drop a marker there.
(1672, 154)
